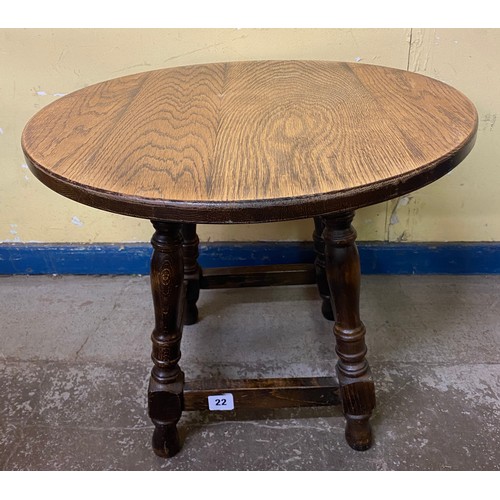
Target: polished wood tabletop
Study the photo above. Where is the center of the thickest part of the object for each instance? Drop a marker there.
(250, 141)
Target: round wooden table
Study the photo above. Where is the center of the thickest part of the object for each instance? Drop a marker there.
(249, 142)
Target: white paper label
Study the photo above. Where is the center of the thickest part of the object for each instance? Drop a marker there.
(221, 402)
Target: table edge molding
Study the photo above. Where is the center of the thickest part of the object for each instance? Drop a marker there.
(253, 211)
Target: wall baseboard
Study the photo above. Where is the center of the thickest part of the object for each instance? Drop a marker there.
(376, 257)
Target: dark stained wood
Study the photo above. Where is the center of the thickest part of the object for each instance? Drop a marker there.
(167, 379)
(357, 390)
(192, 272)
(319, 265)
(264, 393)
(249, 276)
(250, 141)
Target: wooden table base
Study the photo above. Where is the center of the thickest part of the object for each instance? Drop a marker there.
(176, 280)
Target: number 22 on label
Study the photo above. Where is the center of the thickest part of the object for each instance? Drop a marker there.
(221, 402)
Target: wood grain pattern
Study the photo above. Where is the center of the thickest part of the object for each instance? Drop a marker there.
(264, 393)
(250, 141)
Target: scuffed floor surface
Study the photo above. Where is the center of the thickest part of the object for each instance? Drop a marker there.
(75, 358)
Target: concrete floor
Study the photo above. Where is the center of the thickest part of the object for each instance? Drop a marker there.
(74, 366)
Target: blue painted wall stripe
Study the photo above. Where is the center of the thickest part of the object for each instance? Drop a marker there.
(376, 257)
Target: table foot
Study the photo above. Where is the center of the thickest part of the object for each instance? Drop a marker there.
(166, 385)
(319, 265)
(357, 391)
(192, 272)
(358, 401)
(358, 432)
(166, 442)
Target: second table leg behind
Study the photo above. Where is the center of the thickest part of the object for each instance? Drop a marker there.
(319, 266)
(192, 272)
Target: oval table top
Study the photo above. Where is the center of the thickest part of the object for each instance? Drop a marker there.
(253, 141)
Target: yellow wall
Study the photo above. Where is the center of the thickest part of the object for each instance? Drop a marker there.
(37, 65)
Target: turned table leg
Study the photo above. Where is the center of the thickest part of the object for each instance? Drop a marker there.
(319, 265)
(192, 272)
(165, 394)
(357, 390)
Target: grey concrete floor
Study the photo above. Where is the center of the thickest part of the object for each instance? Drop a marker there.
(75, 360)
